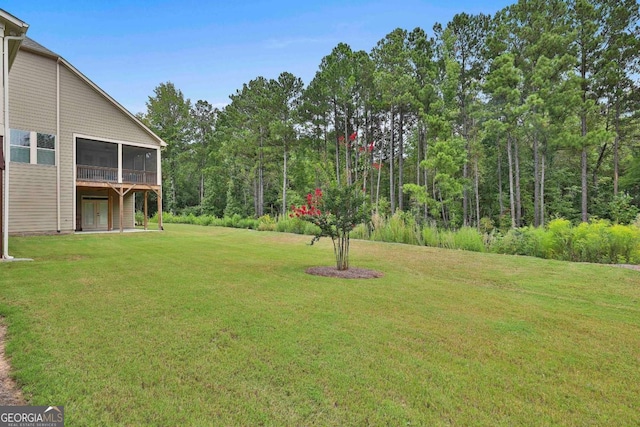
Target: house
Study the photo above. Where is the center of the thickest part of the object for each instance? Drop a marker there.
(74, 158)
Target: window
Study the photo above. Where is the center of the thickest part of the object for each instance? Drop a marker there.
(33, 147)
(46, 149)
(20, 146)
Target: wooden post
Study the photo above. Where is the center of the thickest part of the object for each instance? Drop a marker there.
(160, 210)
(109, 210)
(145, 210)
(121, 194)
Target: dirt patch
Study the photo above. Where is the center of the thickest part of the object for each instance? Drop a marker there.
(351, 273)
(9, 393)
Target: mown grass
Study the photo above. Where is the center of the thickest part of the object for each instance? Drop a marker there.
(217, 326)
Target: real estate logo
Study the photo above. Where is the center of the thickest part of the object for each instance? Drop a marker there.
(31, 416)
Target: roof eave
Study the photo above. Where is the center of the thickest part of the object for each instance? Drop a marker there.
(16, 28)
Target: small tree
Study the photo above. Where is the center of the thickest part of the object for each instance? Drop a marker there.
(335, 212)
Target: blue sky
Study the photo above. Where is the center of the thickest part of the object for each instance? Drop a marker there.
(208, 49)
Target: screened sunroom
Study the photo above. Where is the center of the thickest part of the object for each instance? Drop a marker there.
(108, 176)
(99, 161)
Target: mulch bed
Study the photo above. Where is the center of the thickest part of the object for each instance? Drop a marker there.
(351, 273)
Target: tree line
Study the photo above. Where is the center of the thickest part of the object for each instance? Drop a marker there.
(511, 119)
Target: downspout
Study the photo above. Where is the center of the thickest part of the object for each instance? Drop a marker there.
(2, 174)
(7, 137)
(57, 146)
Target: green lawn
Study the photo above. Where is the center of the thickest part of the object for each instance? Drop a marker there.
(216, 326)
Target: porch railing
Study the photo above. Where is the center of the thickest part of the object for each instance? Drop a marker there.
(141, 177)
(96, 174)
(102, 174)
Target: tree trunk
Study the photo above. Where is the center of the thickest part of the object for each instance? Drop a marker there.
(425, 152)
(392, 184)
(536, 182)
(400, 160)
(256, 195)
(174, 195)
(542, 170)
(500, 197)
(260, 210)
(583, 174)
(477, 190)
(202, 186)
(284, 181)
(326, 142)
(465, 177)
(516, 161)
(583, 133)
(347, 148)
(379, 175)
(335, 120)
(511, 185)
(445, 217)
(616, 145)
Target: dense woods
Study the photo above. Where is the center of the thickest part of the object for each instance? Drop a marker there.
(505, 120)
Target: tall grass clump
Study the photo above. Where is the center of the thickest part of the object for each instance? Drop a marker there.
(465, 238)
(287, 224)
(469, 239)
(399, 228)
(597, 241)
(431, 235)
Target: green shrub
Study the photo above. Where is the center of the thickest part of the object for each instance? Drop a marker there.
(430, 236)
(469, 239)
(290, 225)
(310, 229)
(533, 241)
(508, 243)
(361, 231)
(205, 220)
(447, 239)
(139, 218)
(624, 242)
(592, 241)
(622, 209)
(486, 225)
(560, 244)
(400, 228)
(266, 223)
